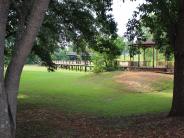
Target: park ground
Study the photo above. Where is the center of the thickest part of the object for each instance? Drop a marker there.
(66, 104)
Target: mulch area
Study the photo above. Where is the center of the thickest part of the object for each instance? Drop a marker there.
(42, 123)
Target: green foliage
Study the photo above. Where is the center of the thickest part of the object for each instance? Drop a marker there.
(98, 62)
(65, 22)
(160, 18)
(108, 50)
(60, 54)
(33, 59)
(120, 43)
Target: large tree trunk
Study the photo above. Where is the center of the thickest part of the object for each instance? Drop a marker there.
(9, 85)
(177, 108)
(5, 118)
(178, 94)
(6, 130)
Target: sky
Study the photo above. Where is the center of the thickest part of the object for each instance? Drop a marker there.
(122, 12)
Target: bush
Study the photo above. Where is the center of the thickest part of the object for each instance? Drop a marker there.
(98, 62)
(102, 63)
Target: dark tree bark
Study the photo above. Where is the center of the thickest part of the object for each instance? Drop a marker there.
(5, 128)
(178, 94)
(9, 85)
(177, 108)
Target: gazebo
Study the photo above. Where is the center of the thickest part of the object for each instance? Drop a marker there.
(154, 63)
(145, 45)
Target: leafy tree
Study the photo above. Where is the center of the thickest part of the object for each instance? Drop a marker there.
(60, 54)
(120, 43)
(108, 50)
(98, 62)
(165, 20)
(33, 59)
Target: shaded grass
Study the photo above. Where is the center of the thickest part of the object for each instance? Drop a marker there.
(88, 93)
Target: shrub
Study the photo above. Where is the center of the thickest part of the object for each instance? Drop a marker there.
(98, 62)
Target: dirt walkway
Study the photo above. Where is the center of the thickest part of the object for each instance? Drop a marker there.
(141, 81)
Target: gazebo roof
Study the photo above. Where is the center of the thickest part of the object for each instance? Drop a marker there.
(145, 44)
(148, 42)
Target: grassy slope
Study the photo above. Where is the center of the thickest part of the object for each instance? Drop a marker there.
(87, 93)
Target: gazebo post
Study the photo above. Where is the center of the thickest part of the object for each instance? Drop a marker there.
(139, 57)
(129, 62)
(124, 55)
(166, 62)
(144, 57)
(130, 58)
(153, 57)
(156, 57)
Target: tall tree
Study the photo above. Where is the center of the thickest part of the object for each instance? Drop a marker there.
(166, 21)
(24, 42)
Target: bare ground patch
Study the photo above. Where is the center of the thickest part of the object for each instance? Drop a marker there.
(141, 81)
(42, 123)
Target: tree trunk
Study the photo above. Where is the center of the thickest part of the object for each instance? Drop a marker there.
(177, 108)
(178, 94)
(10, 84)
(6, 130)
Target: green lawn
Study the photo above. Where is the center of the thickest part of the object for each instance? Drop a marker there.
(88, 93)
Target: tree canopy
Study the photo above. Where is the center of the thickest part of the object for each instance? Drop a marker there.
(160, 19)
(65, 22)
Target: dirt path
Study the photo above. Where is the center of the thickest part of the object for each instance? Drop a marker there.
(141, 81)
(39, 123)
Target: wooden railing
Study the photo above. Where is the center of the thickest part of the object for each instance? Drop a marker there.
(88, 65)
(160, 64)
(75, 65)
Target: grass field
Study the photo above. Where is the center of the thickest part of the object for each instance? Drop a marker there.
(90, 94)
(65, 104)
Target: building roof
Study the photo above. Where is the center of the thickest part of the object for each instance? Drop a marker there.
(145, 44)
